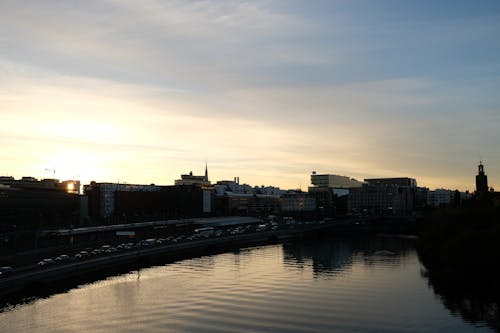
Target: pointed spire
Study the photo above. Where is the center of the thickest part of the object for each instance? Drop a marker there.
(206, 171)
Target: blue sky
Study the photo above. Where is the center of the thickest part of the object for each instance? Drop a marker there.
(264, 90)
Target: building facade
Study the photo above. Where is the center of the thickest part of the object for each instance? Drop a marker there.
(331, 193)
(384, 197)
(101, 197)
(333, 181)
(297, 202)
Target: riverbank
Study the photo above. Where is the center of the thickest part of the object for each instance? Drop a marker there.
(43, 281)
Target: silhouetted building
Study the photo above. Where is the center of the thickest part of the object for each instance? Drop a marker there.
(169, 202)
(70, 186)
(293, 201)
(101, 197)
(442, 197)
(421, 197)
(401, 181)
(25, 210)
(384, 196)
(191, 179)
(37, 207)
(233, 198)
(30, 203)
(481, 180)
(230, 203)
(223, 186)
(333, 181)
(331, 193)
(122, 203)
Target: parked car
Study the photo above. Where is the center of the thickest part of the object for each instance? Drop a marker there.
(62, 257)
(6, 270)
(148, 242)
(47, 261)
(111, 250)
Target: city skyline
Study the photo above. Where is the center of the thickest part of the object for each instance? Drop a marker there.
(192, 175)
(266, 91)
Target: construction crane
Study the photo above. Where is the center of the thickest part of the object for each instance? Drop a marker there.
(53, 172)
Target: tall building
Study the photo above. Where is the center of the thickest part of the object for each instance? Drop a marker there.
(385, 196)
(333, 181)
(123, 203)
(481, 180)
(29, 204)
(102, 196)
(331, 193)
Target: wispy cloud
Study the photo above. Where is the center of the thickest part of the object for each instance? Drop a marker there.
(271, 90)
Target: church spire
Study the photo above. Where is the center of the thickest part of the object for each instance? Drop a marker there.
(206, 171)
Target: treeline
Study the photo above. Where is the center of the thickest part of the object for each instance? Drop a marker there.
(462, 244)
(463, 240)
(460, 250)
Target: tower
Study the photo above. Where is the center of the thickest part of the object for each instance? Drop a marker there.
(481, 180)
(206, 171)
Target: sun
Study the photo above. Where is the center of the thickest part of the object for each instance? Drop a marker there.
(70, 187)
(72, 165)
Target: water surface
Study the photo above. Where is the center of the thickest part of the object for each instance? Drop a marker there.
(330, 285)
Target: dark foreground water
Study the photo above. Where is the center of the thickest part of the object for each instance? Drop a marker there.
(329, 285)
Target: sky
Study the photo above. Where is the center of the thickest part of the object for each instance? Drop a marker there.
(143, 91)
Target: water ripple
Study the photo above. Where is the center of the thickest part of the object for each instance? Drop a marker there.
(329, 286)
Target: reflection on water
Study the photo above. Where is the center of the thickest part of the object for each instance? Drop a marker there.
(476, 304)
(330, 258)
(329, 285)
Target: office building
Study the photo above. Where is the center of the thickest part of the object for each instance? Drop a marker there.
(333, 181)
(384, 196)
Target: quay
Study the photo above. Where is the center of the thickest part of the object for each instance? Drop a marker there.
(38, 280)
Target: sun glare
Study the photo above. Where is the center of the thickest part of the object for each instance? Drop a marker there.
(72, 165)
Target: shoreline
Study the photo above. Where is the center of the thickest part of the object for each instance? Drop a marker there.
(46, 281)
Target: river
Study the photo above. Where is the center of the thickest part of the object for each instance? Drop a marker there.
(370, 284)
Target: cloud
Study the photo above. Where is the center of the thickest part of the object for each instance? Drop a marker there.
(271, 90)
(181, 44)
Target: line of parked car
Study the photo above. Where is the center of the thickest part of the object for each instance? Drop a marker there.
(203, 233)
(198, 234)
(88, 252)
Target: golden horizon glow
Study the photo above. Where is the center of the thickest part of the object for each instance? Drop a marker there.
(262, 92)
